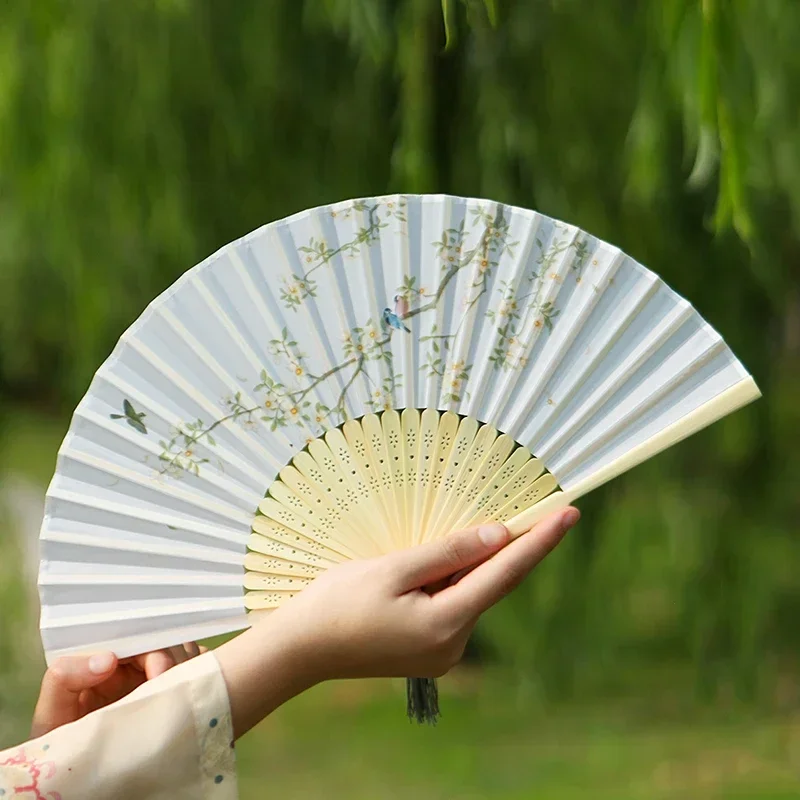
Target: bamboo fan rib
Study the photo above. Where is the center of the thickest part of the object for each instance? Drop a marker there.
(351, 380)
(372, 491)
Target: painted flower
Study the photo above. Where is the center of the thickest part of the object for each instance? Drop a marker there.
(507, 308)
(537, 324)
(515, 354)
(299, 371)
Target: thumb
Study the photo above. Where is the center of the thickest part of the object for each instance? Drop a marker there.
(427, 563)
(59, 698)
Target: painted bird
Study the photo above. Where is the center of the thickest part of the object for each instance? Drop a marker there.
(400, 305)
(133, 418)
(391, 320)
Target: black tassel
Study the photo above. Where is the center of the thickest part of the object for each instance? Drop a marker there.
(423, 700)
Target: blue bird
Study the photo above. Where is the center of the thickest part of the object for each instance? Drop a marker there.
(391, 320)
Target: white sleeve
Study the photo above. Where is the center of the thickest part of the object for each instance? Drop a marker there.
(170, 738)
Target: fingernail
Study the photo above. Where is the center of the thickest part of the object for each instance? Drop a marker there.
(101, 663)
(569, 518)
(493, 535)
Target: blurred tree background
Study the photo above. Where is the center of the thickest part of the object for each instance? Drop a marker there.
(137, 138)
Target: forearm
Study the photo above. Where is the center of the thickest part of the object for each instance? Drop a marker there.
(263, 668)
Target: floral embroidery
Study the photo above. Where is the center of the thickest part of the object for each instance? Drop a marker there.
(28, 775)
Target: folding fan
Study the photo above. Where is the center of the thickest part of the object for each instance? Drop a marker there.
(351, 380)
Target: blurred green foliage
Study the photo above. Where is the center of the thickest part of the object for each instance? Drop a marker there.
(136, 138)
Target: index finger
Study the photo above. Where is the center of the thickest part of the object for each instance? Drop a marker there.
(492, 580)
(156, 663)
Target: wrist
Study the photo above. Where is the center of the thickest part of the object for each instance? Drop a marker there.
(265, 667)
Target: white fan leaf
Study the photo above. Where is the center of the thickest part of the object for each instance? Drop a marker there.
(352, 380)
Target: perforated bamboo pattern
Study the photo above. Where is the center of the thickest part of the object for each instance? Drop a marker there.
(381, 486)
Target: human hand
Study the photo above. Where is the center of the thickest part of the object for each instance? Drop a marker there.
(75, 685)
(382, 618)
(379, 618)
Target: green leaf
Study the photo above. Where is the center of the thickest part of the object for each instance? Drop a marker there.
(449, 14)
(491, 11)
(706, 158)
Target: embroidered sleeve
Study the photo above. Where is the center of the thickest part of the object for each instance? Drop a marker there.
(171, 738)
